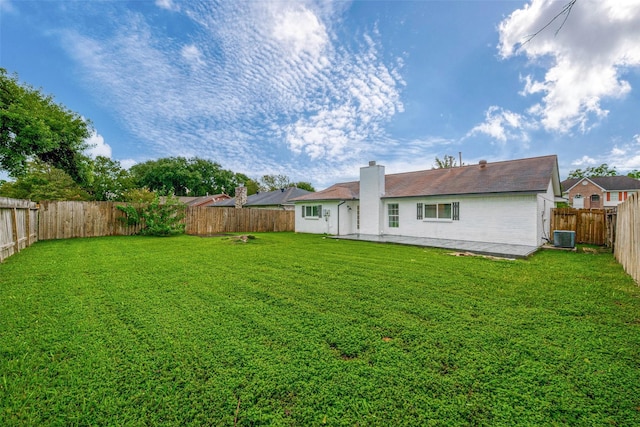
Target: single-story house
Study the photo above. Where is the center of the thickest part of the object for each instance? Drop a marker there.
(203, 200)
(599, 192)
(278, 199)
(500, 202)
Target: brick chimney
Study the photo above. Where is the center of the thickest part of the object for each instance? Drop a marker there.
(241, 196)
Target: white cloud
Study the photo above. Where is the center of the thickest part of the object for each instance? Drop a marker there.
(192, 55)
(6, 6)
(585, 61)
(584, 161)
(300, 30)
(624, 157)
(167, 4)
(504, 125)
(97, 146)
(249, 66)
(127, 163)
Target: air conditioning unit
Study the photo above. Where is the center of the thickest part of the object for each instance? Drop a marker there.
(564, 239)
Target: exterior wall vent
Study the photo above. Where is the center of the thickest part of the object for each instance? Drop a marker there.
(564, 239)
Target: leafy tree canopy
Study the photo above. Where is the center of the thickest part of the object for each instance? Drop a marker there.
(109, 180)
(634, 174)
(187, 177)
(42, 181)
(274, 182)
(304, 186)
(602, 170)
(32, 126)
(278, 182)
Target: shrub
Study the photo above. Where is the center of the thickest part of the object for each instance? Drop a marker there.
(160, 218)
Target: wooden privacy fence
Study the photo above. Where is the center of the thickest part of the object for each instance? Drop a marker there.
(627, 247)
(62, 220)
(206, 221)
(18, 225)
(590, 225)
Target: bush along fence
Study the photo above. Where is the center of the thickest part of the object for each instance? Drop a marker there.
(627, 244)
(18, 225)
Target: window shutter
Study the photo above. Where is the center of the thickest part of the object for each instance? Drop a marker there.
(455, 207)
(319, 211)
(419, 211)
(304, 208)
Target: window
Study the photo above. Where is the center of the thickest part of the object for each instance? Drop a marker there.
(313, 211)
(438, 211)
(394, 214)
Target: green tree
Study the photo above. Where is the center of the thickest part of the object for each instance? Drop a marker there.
(304, 186)
(109, 180)
(32, 126)
(138, 195)
(634, 174)
(252, 186)
(447, 162)
(187, 177)
(42, 181)
(602, 170)
(274, 182)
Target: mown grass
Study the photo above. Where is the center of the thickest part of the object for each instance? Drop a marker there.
(301, 330)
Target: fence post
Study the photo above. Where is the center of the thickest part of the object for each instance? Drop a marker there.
(14, 229)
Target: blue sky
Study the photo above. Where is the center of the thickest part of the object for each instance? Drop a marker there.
(316, 89)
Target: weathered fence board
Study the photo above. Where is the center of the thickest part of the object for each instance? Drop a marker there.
(207, 221)
(590, 225)
(627, 243)
(62, 220)
(18, 225)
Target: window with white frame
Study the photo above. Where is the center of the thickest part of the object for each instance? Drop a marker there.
(431, 211)
(312, 211)
(394, 214)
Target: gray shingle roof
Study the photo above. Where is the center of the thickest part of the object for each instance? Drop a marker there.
(610, 183)
(514, 176)
(270, 198)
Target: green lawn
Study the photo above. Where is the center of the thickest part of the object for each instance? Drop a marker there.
(303, 330)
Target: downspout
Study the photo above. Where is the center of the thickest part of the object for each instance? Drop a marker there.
(340, 204)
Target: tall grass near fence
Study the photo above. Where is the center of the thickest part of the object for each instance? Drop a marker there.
(18, 225)
(627, 247)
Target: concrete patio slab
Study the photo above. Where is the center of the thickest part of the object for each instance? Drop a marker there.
(484, 248)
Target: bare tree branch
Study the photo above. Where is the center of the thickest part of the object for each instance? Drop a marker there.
(566, 11)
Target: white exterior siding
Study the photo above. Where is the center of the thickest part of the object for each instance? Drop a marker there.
(497, 219)
(546, 201)
(328, 224)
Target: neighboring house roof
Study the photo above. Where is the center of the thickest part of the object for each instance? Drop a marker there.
(514, 176)
(203, 200)
(607, 183)
(270, 198)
